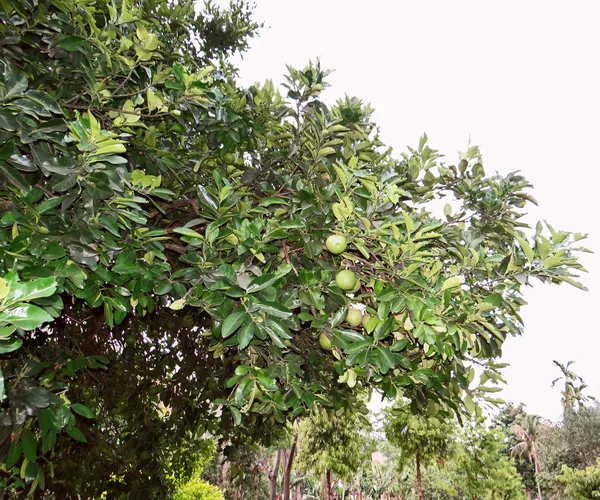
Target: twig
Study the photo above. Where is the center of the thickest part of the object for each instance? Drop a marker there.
(42, 188)
(118, 110)
(287, 258)
(174, 204)
(181, 250)
(126, 79)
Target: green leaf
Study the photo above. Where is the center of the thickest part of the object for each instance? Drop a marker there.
(26, 316)
(13, 176)
(29, 445)
(31, 290)
(177, 304)
(83, 410)
(399, 346)
(246, 334)
(14, 453)
(75, 433)
(274, 309)
(384, 329)
(526, 248)
(14, 81)
(233, 322)
(72, 43)
(7, 150)
(186, 231)
(4, 288)
(10, 345)
(5, 331)
(261, 282)
(452, 282)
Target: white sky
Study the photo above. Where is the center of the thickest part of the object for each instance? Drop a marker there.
(521, 79)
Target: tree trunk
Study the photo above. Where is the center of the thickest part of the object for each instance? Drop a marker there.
(288, 470)
(537, 471)
(324, 486)
(329, 485)
(343, 490)
(528, 493)
(274, 474)
(419, 485)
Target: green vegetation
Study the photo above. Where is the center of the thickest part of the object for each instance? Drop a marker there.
(164, 285)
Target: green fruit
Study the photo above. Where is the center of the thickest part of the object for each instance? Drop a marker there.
(229, 158)
(354, 317)
(346, 280)
(130, 339)
(324, 342)
(365, 319)
(336, 244)
(356, 287)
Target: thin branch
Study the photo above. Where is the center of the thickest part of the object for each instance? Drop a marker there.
(287, 258)
(173, 205)
(181, 250)
(126, 79)
(82, 107)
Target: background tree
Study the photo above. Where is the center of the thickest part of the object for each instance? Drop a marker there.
(572, 393)
(581, 484)
(505, 420)
(421, 440)
(526, 432)
(329, 446)
(478, 467)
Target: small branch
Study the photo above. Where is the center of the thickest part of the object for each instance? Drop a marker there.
(173, 205)
(42, 188)
(82, 107)
(126, 79)
(287, 258)
(181, 250)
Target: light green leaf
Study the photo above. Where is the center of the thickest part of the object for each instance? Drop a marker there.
(26, 316)
(452, 282)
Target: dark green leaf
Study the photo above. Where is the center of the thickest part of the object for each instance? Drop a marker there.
(233, 322)
(83, 410)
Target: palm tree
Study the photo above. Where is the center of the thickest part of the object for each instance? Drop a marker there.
(527, 433)
(572, 393)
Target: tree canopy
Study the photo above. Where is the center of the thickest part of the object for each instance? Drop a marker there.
(162, 262)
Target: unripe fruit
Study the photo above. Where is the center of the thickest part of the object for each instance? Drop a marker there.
(346, 280)
(324, 342)
(365, 319)
(354, 317)
(356, 287)
(229, 158)
(336, 244)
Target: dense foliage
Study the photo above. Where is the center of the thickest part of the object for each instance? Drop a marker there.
(163, 274)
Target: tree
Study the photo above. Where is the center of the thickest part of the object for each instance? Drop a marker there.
(526, 432)
(420, 439)
(162, 260)
(478, 468)
(508, 416)
(574, 444)
(329, 444)
(572, 393)
(581, 484)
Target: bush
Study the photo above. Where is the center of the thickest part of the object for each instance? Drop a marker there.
(581, 484)
(196, 489)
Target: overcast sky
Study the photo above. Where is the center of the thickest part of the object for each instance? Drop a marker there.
(521, 79)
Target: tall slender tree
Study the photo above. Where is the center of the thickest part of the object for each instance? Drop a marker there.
(526, 432)
(572, 393)
(421, 439)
